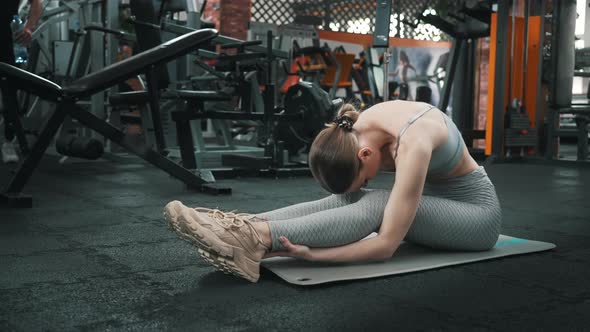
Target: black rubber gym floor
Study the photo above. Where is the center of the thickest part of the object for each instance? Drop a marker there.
(95, 254)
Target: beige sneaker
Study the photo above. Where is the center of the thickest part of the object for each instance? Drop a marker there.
(229, 241)
(217, 214)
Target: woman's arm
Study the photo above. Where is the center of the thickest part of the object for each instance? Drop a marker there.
(373, 249)
(398, 216)
(400, 211)
(34, 14)
(411, 168)
(25, 36)
(364, 250)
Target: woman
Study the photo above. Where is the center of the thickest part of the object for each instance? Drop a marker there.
(441, 198)
(402, 70)
(403, 66)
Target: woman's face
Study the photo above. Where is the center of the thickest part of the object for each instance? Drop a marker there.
(371, 163)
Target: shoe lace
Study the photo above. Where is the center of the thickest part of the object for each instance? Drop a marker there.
(229, 220)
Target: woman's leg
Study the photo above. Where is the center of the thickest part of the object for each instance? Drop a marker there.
(447, 224)
(343, 224)
(307, 208)
(458, 214)
(440, 223)
(465, 215)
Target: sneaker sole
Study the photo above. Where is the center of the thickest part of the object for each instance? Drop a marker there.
(212, 249)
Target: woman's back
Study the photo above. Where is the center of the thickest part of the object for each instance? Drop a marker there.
(393, 118)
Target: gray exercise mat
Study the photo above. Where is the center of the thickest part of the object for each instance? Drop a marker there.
(408, 258)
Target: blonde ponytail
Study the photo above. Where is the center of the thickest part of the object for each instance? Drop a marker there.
(332, 157)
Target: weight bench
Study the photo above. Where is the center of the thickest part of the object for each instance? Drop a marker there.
(66, 97)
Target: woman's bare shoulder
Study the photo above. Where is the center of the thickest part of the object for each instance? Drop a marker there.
(387, 114)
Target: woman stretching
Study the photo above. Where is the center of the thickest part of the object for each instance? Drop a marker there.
(440, 198)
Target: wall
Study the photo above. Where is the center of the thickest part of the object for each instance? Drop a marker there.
(235, 18)
(212, 12)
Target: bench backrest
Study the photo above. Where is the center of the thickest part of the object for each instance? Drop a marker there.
(139, 63)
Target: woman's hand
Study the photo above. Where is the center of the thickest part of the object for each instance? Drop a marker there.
(24, 36)
(291, 250)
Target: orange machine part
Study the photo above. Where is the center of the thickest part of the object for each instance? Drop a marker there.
(346, 61)
(491, 80)
(532, 72)
(367, 40)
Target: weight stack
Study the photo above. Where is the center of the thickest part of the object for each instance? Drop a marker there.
(518, 132)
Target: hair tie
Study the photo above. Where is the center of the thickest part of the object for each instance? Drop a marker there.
(344, 122)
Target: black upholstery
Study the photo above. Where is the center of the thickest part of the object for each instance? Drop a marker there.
(199, 95)
(137, 64)
(22, 79)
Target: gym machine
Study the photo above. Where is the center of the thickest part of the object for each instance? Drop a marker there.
(515, 113)
(188, 132)
(66, 97)
(360, 76)
(465, 25)
(381, 40)
(340, 76)
(561, 62)
(307, 108)
(311, 104)
(312, 63)
(67, 43)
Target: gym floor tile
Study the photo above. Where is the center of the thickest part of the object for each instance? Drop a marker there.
(95, 254)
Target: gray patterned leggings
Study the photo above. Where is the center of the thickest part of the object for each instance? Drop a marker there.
(461, 213)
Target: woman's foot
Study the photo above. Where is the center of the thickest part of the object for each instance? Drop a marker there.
(233, 245)
(218, 214)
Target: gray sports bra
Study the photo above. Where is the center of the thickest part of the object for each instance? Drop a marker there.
(445, 157)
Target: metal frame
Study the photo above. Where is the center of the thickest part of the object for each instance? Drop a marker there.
(499, 80)
(272, 156)
(464, 89)
(66, 101)
(558, 103)
(538, 8)
(169, 26)
(450, 70)
(383, 10)
(65, 22)
(12, 195)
